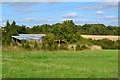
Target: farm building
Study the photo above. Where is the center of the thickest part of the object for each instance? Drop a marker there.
(28, 37)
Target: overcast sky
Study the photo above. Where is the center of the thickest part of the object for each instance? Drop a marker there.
(38, 13)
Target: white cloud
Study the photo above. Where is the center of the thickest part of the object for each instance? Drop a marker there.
(39, 0)
(112, 0)
(22, 7)
(30, 19)
(37, 20)
(46, 20)
(108, 18)
(99, 12)
(112, 22)
(0, 19)
(26, 11)
(60, 0)
(102, 6)
(20, 4)
(2, 24)
(70, 15)
(51, 3)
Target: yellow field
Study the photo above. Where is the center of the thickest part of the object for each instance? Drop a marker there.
(97, 37)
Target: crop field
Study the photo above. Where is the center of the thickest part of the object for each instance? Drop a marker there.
(97, 37)
(60, 64)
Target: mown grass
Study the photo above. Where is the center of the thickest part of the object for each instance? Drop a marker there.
(60, 64)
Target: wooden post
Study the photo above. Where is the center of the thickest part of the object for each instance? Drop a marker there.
(59, 41)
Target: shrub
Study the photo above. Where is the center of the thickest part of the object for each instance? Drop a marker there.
(84, 47)
(78, 47)
(36, 45)
(63, 47)
(55, 46)
(23, 42)
(81, 47)
(27, 46)
(106, 44)
(14, 43)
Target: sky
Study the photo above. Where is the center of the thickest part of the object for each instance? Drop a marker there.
(38, 13)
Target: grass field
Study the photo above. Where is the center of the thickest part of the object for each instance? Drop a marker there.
(60, 64)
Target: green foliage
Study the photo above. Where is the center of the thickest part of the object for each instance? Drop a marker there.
(27, 46)
(22, 29)
(23, 42)
(14, 43)
(69, 23)
(13, 23)
(48, 41)
(8, 24)
(55, 46)
(63, 47)
(78, 47)
(84, 41)
(98, 29)
(81, 47)
(9, 36)
(36, 46)
(67, 31)
(106, 43)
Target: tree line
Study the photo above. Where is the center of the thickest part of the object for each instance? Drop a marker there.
(66, 31)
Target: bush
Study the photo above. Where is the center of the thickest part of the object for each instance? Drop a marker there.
(63, 47)
(84, 47)
(14, 43)
(78, 47)
(27, 46)
(23, 42)
(55, 46)
(81, 47)
(36, 45)
(106, 44)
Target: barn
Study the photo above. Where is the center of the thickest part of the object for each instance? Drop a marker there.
(28, 37)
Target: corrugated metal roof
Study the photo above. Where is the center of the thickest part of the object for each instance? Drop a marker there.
(29, 36)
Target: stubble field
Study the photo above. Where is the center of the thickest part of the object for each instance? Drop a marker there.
(98, 37)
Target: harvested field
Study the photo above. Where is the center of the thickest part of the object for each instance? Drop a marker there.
(97, 37)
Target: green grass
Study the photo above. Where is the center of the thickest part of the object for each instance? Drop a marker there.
(60, 64)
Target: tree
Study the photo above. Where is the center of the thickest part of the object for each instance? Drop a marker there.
(69, 23)
(22, 29)
(9, 36)
(48, 41)
(8, 24)
(13, 23)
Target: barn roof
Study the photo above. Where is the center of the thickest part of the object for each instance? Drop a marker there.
(29, 36)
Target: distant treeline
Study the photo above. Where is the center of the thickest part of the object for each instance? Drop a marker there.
(87, 29)
(66, 31)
